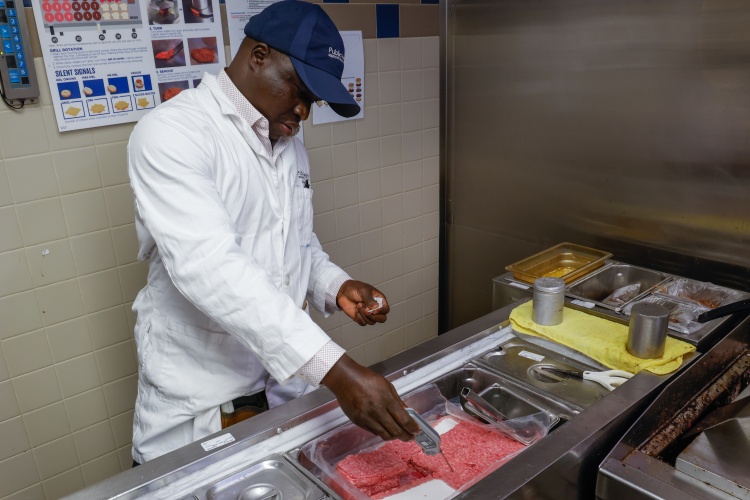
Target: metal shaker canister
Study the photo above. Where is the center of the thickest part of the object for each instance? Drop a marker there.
(647, 333)
(548, 302)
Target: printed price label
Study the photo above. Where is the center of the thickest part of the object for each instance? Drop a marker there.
(531, 355)
(583, 303)
(218, 441)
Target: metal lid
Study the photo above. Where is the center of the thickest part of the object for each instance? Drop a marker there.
(549, 285)
(649, 310)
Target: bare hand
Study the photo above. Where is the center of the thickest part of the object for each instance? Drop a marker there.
(355, 298)
(369, 400)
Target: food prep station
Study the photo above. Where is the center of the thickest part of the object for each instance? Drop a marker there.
(483, 363)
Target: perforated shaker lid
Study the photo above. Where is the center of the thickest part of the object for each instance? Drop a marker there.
(549, 285)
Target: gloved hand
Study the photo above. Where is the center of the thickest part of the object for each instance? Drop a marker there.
(355, 298)
(369, 400)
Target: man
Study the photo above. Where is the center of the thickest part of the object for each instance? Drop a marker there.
(224, 212)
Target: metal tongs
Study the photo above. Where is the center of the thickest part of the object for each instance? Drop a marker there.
(479, 407)
(428, 438)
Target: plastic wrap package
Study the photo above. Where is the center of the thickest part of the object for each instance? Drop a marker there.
(358, 465)
(681, 314)
(623, 294)
(702, 293)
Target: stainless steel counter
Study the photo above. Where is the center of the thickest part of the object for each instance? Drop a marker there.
(562, 465)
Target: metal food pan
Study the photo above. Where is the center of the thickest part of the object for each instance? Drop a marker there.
(601, 284)
(566, 260)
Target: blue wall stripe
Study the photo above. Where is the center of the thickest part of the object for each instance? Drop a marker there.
(335, 1)
(387, 20)
(431, 1)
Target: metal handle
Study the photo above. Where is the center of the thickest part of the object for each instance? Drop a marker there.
(735, 307)
(478, 406)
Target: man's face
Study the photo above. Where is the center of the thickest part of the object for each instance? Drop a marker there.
(282, 98)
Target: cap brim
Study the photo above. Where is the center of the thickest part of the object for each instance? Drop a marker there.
(328, 88)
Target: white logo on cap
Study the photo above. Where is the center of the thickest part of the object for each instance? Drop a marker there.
(335, 54)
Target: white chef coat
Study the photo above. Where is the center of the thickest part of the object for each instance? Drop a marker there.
(231, 266)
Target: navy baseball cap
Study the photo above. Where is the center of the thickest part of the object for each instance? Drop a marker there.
(305, 33)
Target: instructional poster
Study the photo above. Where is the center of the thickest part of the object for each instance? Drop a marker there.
(353, 79)
(111, 61)
(239, 13)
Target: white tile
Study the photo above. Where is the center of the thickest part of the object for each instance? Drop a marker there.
(122, 428)
(36, 389)
(431, 142)
(413, 334)
(412, 204)
(369, 185)
(343, 132)
(390, 119)
(431, 83)
(372, 271)
(389, 87)
(370, 215)
(20, 314)
(349, 251)
(120, 395)
(370, 46)
(394, 290)
(431, 225)
(369, 127)
(125, 241)
(47, 424)
(347, 221)
(14, 438)
(390, 150)
(32, 177)
(321, 164)
(394, 342)
(17, 473)
(51, 262)
(125, 456)
(6, 197)
(329, 323)
(431, 251)
(325, 227)
(64, 484)
(411, 85)
(372, 244)
(411, 53)
(14, 269)
(431, 301)
(93, 252)
(101, 290)
(346, 191)
(331, 249)
(59, 141)
(358, 354)
(412, 116)
(113, 163)
(431, 171)
(56, 457)
(101, 468)
(389, 54)
(431, 113)
(393, 209)
(22, 134)
(317, 136)
(412, 231)
(345, 159)
(26, 353)
(412, 175)
(4, 373)
(116, 362)
(120, 206)
(413, 287)
(375, 351)
(41, 221)
(431, 199)
(86, 409)
(353, 271)
(392, 179)
(431, 276)
(85, 212)
(431, 52)
(77, 170)
(372, 89)
(8, 403)
(109, 327)
(60, 302)
(413, 258)
(35, 492)
(69, 339)
(412, 146)
(395, 317)
(412, 306)
(430, 326)
(368, 154)
(393, 265)
(45, 97)
(94, 441)
(323, 198)
(78, 375)
(112, 133)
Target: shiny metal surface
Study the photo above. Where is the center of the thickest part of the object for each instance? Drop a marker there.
(647, 330)
(548, 301)
(599, 286)
(618, 124)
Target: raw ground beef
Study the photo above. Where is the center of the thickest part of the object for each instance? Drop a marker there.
(398, 466)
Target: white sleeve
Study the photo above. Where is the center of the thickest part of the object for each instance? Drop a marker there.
(171, 170)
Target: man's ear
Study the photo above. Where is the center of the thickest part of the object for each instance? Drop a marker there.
(259, 54)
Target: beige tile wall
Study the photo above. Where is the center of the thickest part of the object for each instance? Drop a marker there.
(68, 270)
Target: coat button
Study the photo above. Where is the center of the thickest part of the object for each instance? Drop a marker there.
(286, 280)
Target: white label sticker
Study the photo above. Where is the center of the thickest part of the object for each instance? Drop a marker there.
(531, 355)
(218, 441)
(518, 285)
(583, 303)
